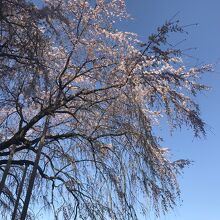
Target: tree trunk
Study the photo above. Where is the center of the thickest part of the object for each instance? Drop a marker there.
(7, 168)
(19, 194)
(34, 172)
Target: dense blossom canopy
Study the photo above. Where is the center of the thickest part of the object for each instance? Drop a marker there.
(78, 102)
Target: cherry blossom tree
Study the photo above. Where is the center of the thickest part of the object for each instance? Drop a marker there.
(79, 101)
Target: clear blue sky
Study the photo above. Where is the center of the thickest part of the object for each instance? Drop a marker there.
(200, 183)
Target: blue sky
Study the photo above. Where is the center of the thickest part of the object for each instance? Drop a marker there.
(200, 182)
